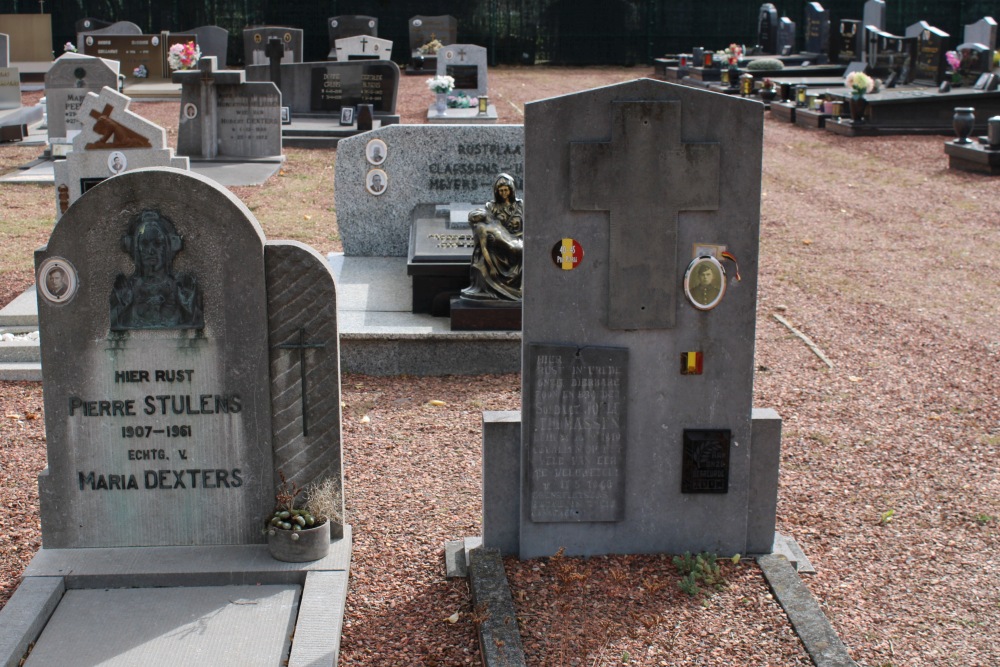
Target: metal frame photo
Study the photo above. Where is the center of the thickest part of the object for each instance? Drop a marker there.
(376, 151)
(117, 162)
(347, 115)
(286, 115)
(705, 282)
(376, 187)
(57, 280)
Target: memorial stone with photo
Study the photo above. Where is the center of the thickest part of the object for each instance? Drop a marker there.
(424, 30)
(255, 44)
(224, 117)
(67, 83)
(467, 65)
(639, 434)
(142, 58)
(929, 61)
(846, 41)
(95, 30)
(363, 47)
(113, 140)
(339, 27)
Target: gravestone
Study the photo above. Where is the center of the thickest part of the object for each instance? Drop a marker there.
(10, 88)
(212, 41)
(847, 41)
(88, 24)
(135, 51)
(4, 50)
(929, 61)
(976, 59)
(785, 44)
(113, 140)
(817, 29)
(873, 15)
(119, 28)
(255, 44)
(890, 55)
(324, 88)
(466, 63)
(363, 47)
(423, 30)
(767, 28)
(422, 165)
(67, 83)
(638, 430)
(983, 31)
(224, 117)
(339, 27)
(159, 428)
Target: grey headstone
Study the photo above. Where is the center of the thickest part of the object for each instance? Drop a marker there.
(423, 29)
(767, 28)
(873, 14)
(634, 173)
(466, 63)
(323, 88)
(222, 116)
(423, 165)
(136, 142)
(4, 50)
(10, 88)
(67, 83)
(929, 62)
(817, 28)
(360, 47)
(255, 42)
(786, 36)
(339, 27)
(983, 31)
(119, 28)
(89, 24)
(305, 364)
(202, 472)
(212, 41)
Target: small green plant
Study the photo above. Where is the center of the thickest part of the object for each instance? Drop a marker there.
(983, 519)
(286, 515)
(703, 568)
(887, 517)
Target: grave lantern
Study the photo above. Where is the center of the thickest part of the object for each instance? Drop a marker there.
(800, 95)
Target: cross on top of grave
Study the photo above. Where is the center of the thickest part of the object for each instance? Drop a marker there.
(207, 72)
(644, 252)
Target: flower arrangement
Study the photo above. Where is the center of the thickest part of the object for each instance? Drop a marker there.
(431, 48)
(140, 72)
(955, 63)
(69, 47)
(462, 101)
(183, 56)
(441, 84)
(859, 83)
(767, 84)
(735, 53)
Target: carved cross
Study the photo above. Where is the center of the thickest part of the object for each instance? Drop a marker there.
(461, 53)
(364, 43)
(302, 346)
(275, 51)
(644, 177)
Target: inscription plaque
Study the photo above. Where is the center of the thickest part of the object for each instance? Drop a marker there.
(706, 461)
(577, 398)
(466, 76)
(437, 240)
(368, 83)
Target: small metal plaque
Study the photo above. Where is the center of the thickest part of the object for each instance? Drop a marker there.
(706, 461)
(435, 240)
(577, 407)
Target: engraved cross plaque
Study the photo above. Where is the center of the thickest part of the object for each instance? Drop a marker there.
(615, 176)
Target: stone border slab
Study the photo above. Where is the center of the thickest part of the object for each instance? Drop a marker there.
(499, 635)
(321, 620)
(817, 635)
(25, 616)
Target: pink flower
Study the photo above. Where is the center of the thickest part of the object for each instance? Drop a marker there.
(954, 61)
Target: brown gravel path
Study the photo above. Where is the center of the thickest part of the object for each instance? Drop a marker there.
(889, 481)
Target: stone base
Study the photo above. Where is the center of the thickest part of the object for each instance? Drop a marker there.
(469, 315)
(462, 116)
(973, 157)
(784, 111)
(428, 67)
(811, 118)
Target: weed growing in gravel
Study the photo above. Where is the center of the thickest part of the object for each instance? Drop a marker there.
(983, 519)
(887, 517)
(702, 568)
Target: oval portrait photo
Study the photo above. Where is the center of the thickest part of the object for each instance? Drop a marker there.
(705, 282)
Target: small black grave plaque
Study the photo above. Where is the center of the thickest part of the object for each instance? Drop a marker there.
(466, 76)
(372, 83)
(577, 398)
(706, 461)
(437, 240)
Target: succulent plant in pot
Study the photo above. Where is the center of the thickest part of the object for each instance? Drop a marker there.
(302, 532)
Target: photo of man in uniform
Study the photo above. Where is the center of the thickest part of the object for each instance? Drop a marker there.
(705, 283)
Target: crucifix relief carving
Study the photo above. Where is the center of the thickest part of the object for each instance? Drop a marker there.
(302, 345)
(644, 177)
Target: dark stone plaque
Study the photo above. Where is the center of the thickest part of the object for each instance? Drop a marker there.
(847, 39)
(930, 61)
(436, 240)
(767, 28)
(466, 76)
(577, 399)
(134, 50)
(363, 83)
(817, 28)
(706, 461)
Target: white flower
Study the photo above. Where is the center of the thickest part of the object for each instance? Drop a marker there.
(441, 84)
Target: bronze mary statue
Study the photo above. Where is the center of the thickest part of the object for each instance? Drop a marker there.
(496, 257)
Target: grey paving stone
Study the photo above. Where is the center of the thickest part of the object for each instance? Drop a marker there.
(499, 636)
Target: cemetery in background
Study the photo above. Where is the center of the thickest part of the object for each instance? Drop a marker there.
(581, 32)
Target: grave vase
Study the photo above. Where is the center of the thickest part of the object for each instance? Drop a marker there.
(440, 103)
(963, 122)
(300, 546)
(858, 105)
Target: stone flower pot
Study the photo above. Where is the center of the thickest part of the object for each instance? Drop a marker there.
(300, 546)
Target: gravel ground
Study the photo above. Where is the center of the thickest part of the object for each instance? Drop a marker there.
(875, 250)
